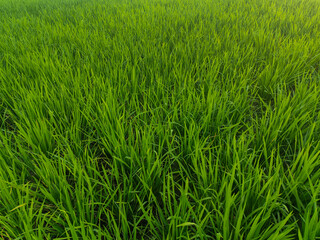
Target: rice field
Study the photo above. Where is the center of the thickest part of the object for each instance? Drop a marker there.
(160, 119)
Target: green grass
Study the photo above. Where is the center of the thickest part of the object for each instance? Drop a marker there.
(160, 119)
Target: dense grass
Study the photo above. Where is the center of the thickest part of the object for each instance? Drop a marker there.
(160, 119)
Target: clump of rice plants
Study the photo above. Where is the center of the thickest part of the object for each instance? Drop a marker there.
(160, 119)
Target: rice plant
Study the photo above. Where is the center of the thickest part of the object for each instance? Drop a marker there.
(160, 119)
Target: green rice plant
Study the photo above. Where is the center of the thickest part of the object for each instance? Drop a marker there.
(159, 119)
